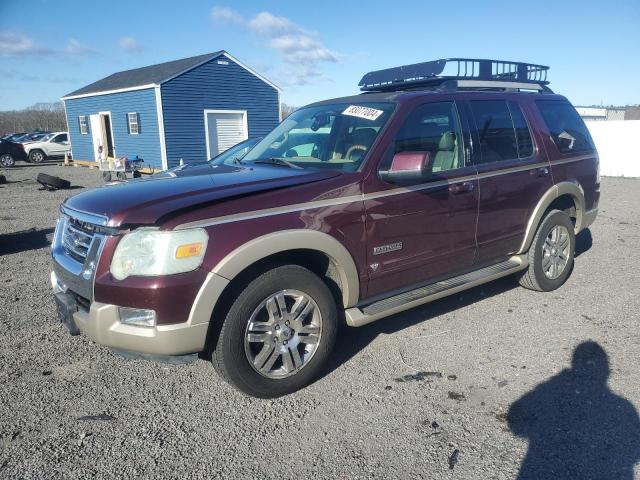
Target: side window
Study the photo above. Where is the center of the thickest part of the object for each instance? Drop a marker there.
(523, 135)
(567, 129)
(134, 123)
(60, 138)
(433, 128)
(495, 130)
(82, 120)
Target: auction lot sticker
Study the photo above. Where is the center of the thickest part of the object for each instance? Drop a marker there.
(362, 112)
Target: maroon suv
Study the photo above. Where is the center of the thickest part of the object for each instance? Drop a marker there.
(439, 177)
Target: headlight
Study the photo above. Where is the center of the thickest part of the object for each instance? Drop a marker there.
(149, 252)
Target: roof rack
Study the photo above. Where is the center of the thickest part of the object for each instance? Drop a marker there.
(455, 73)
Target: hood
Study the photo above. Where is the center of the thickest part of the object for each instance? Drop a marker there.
(187, 170)
(146, 201)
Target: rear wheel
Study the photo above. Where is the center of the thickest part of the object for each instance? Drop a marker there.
(37, 156)
(551, 253)
(6, 160)
(278, 334)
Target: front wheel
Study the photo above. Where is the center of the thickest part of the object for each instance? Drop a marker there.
(278, 334)
(37, 156)
(551, 253)
(6, 160)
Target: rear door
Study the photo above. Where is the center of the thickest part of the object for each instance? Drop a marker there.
(420, 232)
(513, 173)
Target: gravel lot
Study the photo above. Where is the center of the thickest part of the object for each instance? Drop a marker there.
(426, 394)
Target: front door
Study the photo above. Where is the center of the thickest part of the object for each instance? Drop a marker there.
(513, 174)
(224, 129)
(59, 145)
(106, 134)
(96, 134)
(421, 232)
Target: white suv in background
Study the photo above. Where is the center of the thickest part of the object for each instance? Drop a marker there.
(52, 145)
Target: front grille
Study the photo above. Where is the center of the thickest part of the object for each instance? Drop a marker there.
(76, 240)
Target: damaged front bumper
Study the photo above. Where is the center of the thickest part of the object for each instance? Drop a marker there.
(101, 322)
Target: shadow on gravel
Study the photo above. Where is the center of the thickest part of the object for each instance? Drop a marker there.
(576, 427)
(352, 340)
(25, 240)
(584, 242)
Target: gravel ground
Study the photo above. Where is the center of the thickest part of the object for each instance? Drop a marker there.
(466, 387)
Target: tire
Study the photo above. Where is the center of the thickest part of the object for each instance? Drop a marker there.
(121, 176)
(37, 156)
(106, 176)
(6, 160)
(235, 355)
(541, 275)
(51, 182)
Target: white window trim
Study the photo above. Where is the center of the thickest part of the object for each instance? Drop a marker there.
(86, 124)
(137, 123)
(163, 145)
(206, 125)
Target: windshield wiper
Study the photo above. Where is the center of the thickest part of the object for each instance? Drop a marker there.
(279, 162)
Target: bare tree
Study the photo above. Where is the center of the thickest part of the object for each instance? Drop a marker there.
(48, 117)
(286, 110)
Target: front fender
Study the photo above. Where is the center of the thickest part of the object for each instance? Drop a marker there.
(277, 242)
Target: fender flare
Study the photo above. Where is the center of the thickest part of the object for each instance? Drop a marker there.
(277, 242)
(574, 190)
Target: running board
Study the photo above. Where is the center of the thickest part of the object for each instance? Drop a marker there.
(357, 317)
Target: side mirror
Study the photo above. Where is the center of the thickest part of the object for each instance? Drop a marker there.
(407, 167)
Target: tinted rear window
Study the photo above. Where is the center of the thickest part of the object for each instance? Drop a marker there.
(567, 129)
(495, 130)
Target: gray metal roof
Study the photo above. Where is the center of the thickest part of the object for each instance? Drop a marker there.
(153, 74)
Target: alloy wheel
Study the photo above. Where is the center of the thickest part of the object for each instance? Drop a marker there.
(283, 334)
(555, 252)
(6, 160)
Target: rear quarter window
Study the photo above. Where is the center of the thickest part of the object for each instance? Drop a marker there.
(567, 129)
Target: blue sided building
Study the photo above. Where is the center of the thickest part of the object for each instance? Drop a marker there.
(189, 109)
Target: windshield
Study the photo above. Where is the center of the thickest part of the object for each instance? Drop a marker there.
(235, 153)
(335, 136)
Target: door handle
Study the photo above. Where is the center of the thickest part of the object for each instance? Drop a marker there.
(457, 188)
(539, 172)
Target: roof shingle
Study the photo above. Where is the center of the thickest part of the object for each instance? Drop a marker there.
(152, 74)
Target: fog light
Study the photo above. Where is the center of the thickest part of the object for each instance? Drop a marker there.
(137, 316)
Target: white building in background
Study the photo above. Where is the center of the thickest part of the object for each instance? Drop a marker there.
(601, 113)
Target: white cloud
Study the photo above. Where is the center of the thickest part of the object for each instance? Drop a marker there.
(14, 44)
(302, 49)
(267, 24)
(226, 15)
(130, 44)
(299, 49)
(76, 48)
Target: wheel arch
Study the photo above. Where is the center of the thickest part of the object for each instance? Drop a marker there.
(559, 194)
(295, 242)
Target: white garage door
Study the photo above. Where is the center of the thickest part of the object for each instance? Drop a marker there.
(224, 130)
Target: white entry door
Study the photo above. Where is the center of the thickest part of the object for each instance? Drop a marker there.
(224, 129)
(96, 134)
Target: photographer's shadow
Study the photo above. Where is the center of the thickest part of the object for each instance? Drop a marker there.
(577, 427)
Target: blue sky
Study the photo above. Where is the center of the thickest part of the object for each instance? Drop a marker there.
(317, 49)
